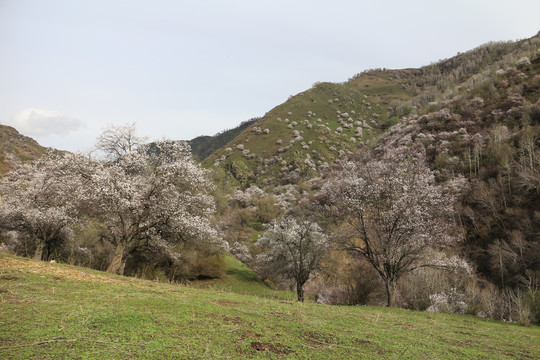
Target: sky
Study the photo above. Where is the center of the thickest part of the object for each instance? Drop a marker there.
(180, 69)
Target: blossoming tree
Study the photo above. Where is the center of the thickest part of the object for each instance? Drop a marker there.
(150, 197)
(393, 213)
(144, 197)
(293, 249)
(40, 200)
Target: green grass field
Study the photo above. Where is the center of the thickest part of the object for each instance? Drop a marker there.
(240, 279)
(55, 311)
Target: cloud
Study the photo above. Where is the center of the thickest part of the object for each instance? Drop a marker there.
(41, 122)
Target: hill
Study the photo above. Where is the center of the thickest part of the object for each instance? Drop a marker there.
(477, 116)
(15, 148)
(61, 311)
(302, 136)
(406, 90)
(203, 146)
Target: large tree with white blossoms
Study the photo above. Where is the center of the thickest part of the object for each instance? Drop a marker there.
(145, 197)
(393, 214)
(151, 197)
(294, 249)
(41, 200)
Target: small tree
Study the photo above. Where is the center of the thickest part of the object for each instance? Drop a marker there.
(293, 249)
(118, 140)
(393, 214)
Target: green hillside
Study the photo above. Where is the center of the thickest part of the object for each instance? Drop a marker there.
(302, 136)
(387, 87)
(298, 138)
(203, 146)
(59, 311)
(240, 279)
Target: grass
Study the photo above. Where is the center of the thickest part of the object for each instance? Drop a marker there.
(51, 311)
(240, 279)
(382, 87)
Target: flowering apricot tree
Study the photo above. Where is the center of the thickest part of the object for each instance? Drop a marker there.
(293, 249)
(40, 200)
(153, 198)
(145, 197)
(393, 214)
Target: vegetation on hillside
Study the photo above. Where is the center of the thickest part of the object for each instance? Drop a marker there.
(16, 148)
(476, 117)
(204, 146)
(302, 137)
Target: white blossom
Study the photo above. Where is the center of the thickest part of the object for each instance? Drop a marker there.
(395, 211)
(294, 249)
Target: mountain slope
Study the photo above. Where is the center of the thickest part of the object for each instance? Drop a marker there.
(302, 136)
(306, 134)
(203, 146)
(15, 148)
(407, 89)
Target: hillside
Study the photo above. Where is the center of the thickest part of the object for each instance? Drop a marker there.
(488, 133)
(302, 136)
(60, 311)
(203, 146)
(305, 135)
(477, 115)
(15, 148)
(410, 89)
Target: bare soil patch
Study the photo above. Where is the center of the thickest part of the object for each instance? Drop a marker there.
(9, 278)
(273, 348)
(225, 302)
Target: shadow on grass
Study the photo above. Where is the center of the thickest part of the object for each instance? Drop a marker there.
(244, 275)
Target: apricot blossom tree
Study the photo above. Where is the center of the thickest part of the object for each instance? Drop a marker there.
(153, 198)
(392, 213)
(40, 200)
(293, 249)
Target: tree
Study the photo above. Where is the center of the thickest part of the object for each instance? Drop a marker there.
(152, 199)
(293, 249)
(393, 214)
(118, 140)
(39, 200)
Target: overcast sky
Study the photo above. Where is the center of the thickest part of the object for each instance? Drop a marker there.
(186, 68)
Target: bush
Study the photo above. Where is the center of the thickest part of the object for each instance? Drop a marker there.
(389, 122)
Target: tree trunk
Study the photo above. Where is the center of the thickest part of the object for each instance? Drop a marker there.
(300, 292)
(118, 262)
(391, 293)
(38, 255)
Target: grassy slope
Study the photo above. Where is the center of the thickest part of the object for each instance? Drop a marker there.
(241, 280)
(203, 146)
(309, 106)
(385, 87)
(57, 311)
